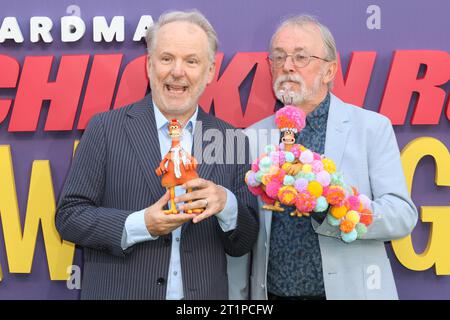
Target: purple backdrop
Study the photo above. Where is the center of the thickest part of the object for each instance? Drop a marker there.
(242, 26)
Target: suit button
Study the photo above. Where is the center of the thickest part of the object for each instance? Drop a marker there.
(160, 281)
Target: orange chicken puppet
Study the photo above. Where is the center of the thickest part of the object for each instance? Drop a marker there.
(177, 167)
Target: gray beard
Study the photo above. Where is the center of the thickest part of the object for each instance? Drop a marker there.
(288, 96)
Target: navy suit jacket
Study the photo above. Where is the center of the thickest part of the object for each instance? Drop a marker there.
(112, 176)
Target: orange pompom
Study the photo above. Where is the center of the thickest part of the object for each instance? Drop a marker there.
(338, 212)
(366, 217)
(335, 195)
(287, 195)
(347, 226)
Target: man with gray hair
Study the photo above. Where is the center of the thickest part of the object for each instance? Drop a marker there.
(112, 201)
(304, 258)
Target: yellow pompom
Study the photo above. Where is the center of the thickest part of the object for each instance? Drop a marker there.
(286, 166)
(315, 188)
(302, 147)
(329, 165)
(352, 216)
(307, 168)
(273, 170)
(338, 212)
(266, 179)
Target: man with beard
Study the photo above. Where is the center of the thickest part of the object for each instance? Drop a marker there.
(307, 259)
(112, 202)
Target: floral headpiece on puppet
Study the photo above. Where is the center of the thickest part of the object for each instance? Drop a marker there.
(290, 120)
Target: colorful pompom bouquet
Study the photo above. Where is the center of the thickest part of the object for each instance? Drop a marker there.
(294, 176)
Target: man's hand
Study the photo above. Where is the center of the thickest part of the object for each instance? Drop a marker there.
(158, 223)
(215, 196)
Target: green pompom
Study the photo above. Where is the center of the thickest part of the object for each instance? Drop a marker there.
(333, 221)
(361, 229)
(269, 148)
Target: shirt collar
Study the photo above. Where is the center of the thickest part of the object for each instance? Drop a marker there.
(161, 121)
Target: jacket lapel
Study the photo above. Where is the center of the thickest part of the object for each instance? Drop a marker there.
(141, 130)
(338, 127)
(204, 170)
(204, 122)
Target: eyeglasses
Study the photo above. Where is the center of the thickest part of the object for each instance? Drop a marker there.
(300, 60)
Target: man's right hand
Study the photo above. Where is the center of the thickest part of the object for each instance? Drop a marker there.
(158, 223)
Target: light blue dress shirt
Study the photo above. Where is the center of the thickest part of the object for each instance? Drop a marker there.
(136, 231)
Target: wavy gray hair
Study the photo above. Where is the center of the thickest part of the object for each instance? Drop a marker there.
(192, 16)
(304, 20)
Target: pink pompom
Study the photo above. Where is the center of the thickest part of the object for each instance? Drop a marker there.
(282, 158)
(354, 203)
(324, 178)
(307, 156)
(317, 166)
(296, 150)
(278, 158)
(365, 201)
(306, 202)
(257, 191)
(275, 158)
(317, 156)
(280, 175)
(272, 188)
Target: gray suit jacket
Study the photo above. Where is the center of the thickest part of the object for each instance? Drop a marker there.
(363, 145)
(113, 175)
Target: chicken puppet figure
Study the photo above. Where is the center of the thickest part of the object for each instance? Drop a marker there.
(177, 167)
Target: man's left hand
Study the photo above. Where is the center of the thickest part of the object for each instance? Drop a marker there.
(215, 196)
